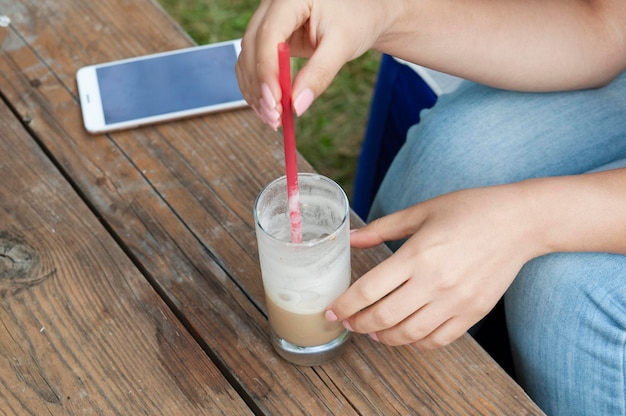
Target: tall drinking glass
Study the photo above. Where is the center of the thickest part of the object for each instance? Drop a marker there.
(302, 279)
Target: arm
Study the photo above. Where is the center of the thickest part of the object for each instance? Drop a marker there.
(514, 44)
(534, 45)
(466, 247)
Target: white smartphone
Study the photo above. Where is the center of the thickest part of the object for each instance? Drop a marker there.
(159, 87)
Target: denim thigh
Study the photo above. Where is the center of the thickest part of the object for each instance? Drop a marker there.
(566, 316)
(479, 136)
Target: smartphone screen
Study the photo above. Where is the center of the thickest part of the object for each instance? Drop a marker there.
(159, 87)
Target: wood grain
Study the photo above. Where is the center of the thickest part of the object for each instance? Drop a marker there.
(81, 330)
(178, 197)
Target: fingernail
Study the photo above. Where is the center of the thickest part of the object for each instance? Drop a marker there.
(330, 316)
(303, 102)
(374, 336)
(346, 325)
(269, 113)
(268, 98)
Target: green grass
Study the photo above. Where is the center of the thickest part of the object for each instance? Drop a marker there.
(329, 134)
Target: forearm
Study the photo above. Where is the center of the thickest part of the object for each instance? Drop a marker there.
(577, 213)
(516, 44)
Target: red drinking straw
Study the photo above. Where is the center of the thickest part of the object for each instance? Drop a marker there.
(289, 140)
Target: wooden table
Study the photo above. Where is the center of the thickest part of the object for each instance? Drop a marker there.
(129, 278)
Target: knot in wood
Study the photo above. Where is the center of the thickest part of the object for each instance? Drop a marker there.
(20, 266)
(16, 258)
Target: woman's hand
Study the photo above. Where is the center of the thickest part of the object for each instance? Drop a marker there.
(329, 32)
(465, 249)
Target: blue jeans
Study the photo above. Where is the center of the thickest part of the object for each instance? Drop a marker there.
(566, 312)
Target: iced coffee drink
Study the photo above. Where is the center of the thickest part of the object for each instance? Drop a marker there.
(302, 279)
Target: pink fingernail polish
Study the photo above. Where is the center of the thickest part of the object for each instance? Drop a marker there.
(269, 113)
(330, 316)
(268, 98)
(303, 101)
(374, 336)
(347, 325)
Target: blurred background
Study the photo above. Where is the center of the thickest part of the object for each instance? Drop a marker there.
(329, 134)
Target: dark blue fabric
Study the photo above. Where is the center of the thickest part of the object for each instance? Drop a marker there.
(399, 96)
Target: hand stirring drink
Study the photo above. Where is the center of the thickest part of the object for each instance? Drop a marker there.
(302, 226)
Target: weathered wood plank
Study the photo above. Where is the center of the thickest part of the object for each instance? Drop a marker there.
(81, 330)
(179, 197)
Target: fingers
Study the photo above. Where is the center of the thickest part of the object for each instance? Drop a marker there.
(370, 289)
(317, 74)
(445, 334)
(246, 68)
(430, 327)
(407, 299)
(396, 226)
(367, 236)
(383, 279)
(312, 31)
(461, 256)
(257, 65)
(389, 297)
(407, 316)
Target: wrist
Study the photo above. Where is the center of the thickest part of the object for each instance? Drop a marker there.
(539, 215)
(580, 213)
(399, 22)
